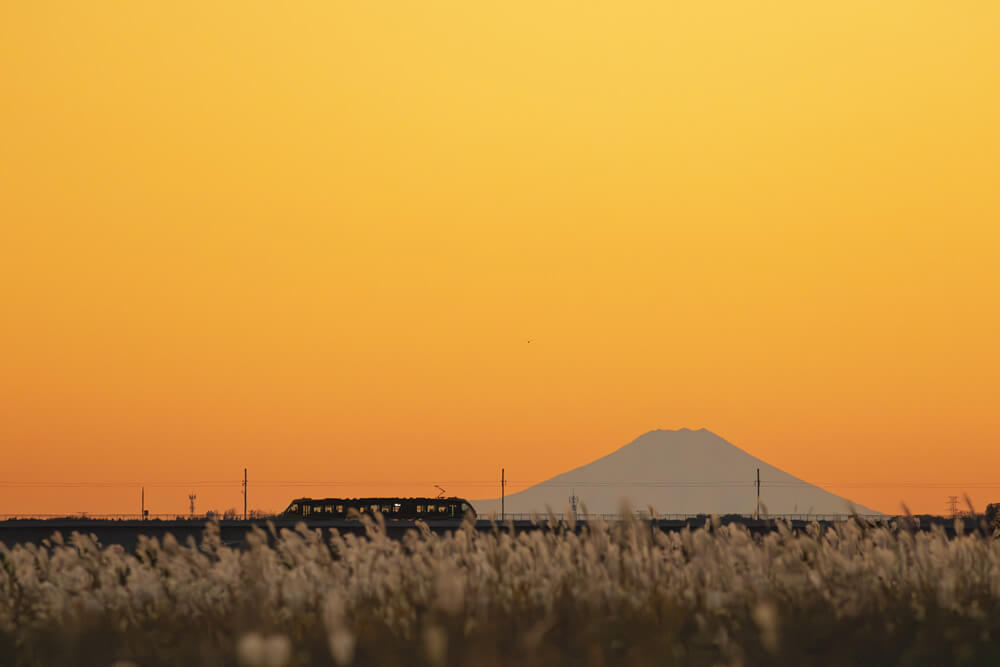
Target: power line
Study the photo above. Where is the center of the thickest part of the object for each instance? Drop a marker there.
(492, 483)
(115, 484)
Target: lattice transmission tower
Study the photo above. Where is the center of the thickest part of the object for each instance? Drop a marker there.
(952, 506)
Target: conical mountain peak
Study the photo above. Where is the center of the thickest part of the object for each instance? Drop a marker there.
(681, 471)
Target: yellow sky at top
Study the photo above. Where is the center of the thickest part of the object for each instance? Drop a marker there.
(315, 240)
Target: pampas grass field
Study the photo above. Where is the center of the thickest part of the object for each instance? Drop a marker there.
(598, 594)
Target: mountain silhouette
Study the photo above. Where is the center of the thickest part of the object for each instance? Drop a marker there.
(676, 472)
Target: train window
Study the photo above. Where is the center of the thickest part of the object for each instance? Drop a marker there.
(395, 507)
(374, 508)
(328, 509)
(361, 509)
(452, 509)
(420, 509)
(317, 509)
(340, 509)
(385, 509)
(305, 510)
(465, 507)
(294, 509)
(442, 508)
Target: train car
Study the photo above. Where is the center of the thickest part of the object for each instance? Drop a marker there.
(392, 509)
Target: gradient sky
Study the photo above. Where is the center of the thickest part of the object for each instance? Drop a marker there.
(315, 240)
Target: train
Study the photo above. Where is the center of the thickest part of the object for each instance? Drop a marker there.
(392, 509)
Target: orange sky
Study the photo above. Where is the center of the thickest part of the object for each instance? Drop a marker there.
(315, 240)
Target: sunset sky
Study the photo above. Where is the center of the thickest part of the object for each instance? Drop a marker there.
(315, 240)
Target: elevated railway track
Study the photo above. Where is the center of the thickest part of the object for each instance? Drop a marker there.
(126, 532)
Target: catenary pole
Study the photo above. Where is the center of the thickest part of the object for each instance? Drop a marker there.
(503, 486)
(758, 493)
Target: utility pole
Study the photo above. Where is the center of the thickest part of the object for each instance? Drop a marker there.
(758, 494)
(244, 494)
(503, 486)
(142, 514)
(191, 497)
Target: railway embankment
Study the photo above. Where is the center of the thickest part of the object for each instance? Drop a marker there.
(126, 533)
